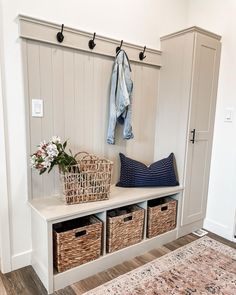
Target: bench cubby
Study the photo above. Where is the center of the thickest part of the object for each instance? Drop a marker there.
(161, 216)
(125, 227)
(76, 242)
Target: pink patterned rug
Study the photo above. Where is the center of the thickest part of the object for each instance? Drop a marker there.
(204, 266)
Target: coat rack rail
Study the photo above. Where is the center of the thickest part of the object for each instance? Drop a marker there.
(46, 32)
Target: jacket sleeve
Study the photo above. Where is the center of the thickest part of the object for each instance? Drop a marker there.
(112, 111)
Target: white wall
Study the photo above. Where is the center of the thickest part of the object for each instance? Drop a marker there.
(136, 21)
(219, 16)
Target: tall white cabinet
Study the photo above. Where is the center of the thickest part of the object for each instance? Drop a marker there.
(185, 122)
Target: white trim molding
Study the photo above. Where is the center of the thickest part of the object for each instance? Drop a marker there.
(218, 228)
(5, 245)
(44, 31)
(4, 206)
(21, 260)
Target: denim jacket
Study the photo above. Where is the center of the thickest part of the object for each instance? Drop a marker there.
(120, 97)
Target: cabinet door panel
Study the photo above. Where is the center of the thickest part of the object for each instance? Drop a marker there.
(198, 176)
(202, 114)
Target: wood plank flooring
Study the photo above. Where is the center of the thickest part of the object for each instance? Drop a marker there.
(25, 281)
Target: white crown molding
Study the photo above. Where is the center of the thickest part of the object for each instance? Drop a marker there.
(192, 29)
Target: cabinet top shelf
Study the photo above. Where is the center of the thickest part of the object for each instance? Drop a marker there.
(54, 208)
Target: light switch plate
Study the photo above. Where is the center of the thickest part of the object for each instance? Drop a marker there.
(37, 108)
(229, 115)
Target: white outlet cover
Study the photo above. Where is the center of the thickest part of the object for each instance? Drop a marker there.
(37, 108)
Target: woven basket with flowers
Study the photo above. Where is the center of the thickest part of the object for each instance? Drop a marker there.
(84, 177)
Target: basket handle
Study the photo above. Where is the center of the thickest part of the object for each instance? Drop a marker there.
(79, 153)
(128, 218)
(86, 155)
(164, 208)
(81, 233)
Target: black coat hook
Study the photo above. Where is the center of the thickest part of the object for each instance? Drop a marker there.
(91, 43)
(141, 54)
(119, 47)
(60, 36)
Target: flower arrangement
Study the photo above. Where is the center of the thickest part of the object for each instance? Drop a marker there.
(50, 154)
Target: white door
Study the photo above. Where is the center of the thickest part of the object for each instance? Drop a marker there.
(201, 123)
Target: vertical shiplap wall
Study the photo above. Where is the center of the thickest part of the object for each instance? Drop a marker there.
(75, 87)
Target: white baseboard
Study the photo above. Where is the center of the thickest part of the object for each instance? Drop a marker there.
(218, 229)
(21, 260)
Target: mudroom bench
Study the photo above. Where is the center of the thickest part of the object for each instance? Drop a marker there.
(46, 212)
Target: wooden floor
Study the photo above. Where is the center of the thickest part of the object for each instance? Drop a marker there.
(25, 282)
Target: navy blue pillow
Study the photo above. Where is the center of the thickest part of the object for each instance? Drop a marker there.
(137, 174)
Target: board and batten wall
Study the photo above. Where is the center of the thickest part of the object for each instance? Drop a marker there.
(75, 86)
(157, 18)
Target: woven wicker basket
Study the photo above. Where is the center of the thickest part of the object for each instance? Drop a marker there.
(76, 242)
(88, 181)
(124, 227)
(161, 216)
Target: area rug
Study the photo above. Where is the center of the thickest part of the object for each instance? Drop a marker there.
(2, 289)
(204, 266)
